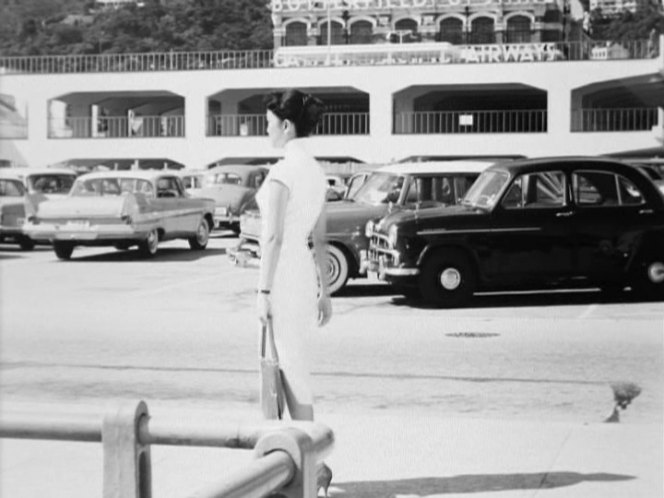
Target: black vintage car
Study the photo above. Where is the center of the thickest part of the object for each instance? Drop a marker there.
(531, 224)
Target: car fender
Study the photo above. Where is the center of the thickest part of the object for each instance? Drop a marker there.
(351, 247)
(434, 247)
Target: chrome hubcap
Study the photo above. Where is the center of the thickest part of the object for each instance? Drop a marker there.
(202, 233)
(656, 272)
(450, 279)
(153, 240)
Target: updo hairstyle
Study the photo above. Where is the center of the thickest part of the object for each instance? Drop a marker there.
(301, 109)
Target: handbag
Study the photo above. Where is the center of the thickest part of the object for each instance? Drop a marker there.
(272, 396)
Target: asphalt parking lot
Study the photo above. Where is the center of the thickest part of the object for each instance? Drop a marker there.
(528, 373)
(109, 324)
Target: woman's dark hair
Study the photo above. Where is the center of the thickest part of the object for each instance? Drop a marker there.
(301, 109)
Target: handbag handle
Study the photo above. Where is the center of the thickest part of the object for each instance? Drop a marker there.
(267, 333)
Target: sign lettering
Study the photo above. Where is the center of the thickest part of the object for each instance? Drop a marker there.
(350, 5)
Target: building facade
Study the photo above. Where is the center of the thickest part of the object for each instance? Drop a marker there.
(421, 94)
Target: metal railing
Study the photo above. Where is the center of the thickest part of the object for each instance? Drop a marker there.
(285, 456)
(619, 119)
(116, 127)
(491, 121)
(358, 55)
(251, 125)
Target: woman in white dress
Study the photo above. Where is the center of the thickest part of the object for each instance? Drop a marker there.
(291, 288)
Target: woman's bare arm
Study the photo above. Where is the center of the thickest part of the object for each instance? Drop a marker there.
(274, 233)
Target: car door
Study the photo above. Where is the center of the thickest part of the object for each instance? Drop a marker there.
(530, 236)
(611, 215)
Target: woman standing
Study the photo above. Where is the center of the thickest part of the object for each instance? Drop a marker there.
(292, 290)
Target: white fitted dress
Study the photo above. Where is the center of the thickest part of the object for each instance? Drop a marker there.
(295, 287)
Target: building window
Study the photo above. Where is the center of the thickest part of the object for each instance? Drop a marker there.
(361, 32)
(451, 30)
(406, 31)
(296, 34)
(518, 30)
(482, 31)
(337, 32)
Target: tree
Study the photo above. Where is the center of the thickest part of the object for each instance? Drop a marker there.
(628, 25)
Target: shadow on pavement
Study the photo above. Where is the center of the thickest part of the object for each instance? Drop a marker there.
(561, 298)
(473, 483)
(164, 255)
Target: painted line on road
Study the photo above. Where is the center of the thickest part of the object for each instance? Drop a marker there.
(372, 375)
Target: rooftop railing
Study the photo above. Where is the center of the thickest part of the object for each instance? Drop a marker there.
(251, 125)
(286, 456)
(490, 121)
(338, 55)
(615, 119)
(117, 127)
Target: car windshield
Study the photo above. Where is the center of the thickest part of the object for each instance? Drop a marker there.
(380, 188)
(11, 188)
(111, 186)
(485, 191)
(51, 183)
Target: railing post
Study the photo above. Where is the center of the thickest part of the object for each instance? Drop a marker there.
(127, 466)
(299, 446)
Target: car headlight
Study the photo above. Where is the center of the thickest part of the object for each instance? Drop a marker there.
(392, 235)
(369, 228)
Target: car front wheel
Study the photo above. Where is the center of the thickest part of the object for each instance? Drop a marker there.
(447, 278)
(149, 246)
(200, 241)
(649, 279)
(63, 250)
(337, 269)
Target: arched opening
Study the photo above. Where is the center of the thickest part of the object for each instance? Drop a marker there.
(296, 34)
(337, 32)
(361, 32)
(405, 31)
(518, 30)
(451, 30)
(482, 31)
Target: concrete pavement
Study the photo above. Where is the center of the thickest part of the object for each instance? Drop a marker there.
(384, 454)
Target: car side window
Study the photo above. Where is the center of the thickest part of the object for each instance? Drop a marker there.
(603, 188)
(536, 190)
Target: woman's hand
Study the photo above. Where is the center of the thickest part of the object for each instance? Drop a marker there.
(264, 307)
(324, 309)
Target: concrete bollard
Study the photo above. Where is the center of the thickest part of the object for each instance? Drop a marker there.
(300, 448)
(127, 465)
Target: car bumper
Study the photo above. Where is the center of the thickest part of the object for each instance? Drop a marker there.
(245, 253)
(82, 234)
(386, 263)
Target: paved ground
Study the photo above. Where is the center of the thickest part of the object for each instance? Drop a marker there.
(505, 398)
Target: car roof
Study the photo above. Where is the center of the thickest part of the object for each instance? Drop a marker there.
(22, 172)
(145, 174)
(240, 169)
(563, 162)
(430, 167)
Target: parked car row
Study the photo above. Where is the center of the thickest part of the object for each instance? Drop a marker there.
(370, 196)
(530, 224)
(21, 192)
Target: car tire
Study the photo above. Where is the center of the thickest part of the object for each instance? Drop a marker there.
(447, 279)
(149, 246)
(337, 269)
(26, 243)
(200, 241)
(648, 280)
(63, 250)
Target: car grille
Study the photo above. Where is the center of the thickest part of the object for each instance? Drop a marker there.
(379, 249)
